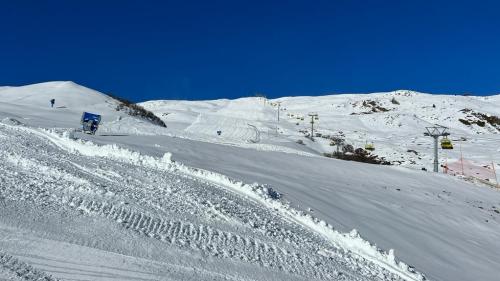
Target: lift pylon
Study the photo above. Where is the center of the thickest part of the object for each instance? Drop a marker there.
(436, 132)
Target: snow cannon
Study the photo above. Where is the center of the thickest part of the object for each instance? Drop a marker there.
(90, 122)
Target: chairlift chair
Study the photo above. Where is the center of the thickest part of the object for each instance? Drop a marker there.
(446, 143)
(369, 146)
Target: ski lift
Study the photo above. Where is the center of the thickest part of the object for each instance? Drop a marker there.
(446, 143)
(369, 146)
(90, 122)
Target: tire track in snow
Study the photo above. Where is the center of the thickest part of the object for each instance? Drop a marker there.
(209, 240)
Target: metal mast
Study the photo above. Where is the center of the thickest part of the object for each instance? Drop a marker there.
(436, 132)
(279, 105)
(277, 123)
(313, 115)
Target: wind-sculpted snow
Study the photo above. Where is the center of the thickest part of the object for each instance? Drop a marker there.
(183, 207)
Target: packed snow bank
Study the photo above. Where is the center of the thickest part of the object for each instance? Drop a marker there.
(349, 242)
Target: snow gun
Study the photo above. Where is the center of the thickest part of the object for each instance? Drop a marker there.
(90, 122)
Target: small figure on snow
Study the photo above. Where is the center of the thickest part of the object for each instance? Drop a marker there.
(219, 132)
(52, 102)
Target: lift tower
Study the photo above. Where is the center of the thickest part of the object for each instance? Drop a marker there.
(277, 123)
(313, 115)
(436, 132)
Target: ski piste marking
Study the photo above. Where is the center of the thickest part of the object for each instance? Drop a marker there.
(253, 192)
(23, 270)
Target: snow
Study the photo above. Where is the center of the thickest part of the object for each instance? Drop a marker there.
(138, 201)
(393, 133)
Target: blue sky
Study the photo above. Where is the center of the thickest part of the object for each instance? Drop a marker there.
(146, 50)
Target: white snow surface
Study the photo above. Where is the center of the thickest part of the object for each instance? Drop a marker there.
(393, 132)
(141, 202)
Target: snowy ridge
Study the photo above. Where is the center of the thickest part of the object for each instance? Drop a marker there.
(350, 242)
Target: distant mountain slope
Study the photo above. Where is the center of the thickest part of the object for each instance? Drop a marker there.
(393, 121)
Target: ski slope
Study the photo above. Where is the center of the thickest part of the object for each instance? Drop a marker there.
(397, 133)
(177, 206)
(140, 202)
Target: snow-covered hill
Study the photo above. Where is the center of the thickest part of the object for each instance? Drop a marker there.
(141, 202)
(394, 122)
(32, 102)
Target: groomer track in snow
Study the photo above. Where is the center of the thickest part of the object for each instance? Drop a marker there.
(160, 200)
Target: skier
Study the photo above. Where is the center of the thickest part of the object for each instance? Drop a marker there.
(219, 132)
(52, 101)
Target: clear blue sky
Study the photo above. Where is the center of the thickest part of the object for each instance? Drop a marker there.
(146, 50)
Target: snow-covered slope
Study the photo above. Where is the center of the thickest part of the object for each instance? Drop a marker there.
(105, 193)
(31, 104)
(394, 122)
(67, 94)
(184, 203)
(70, 101)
